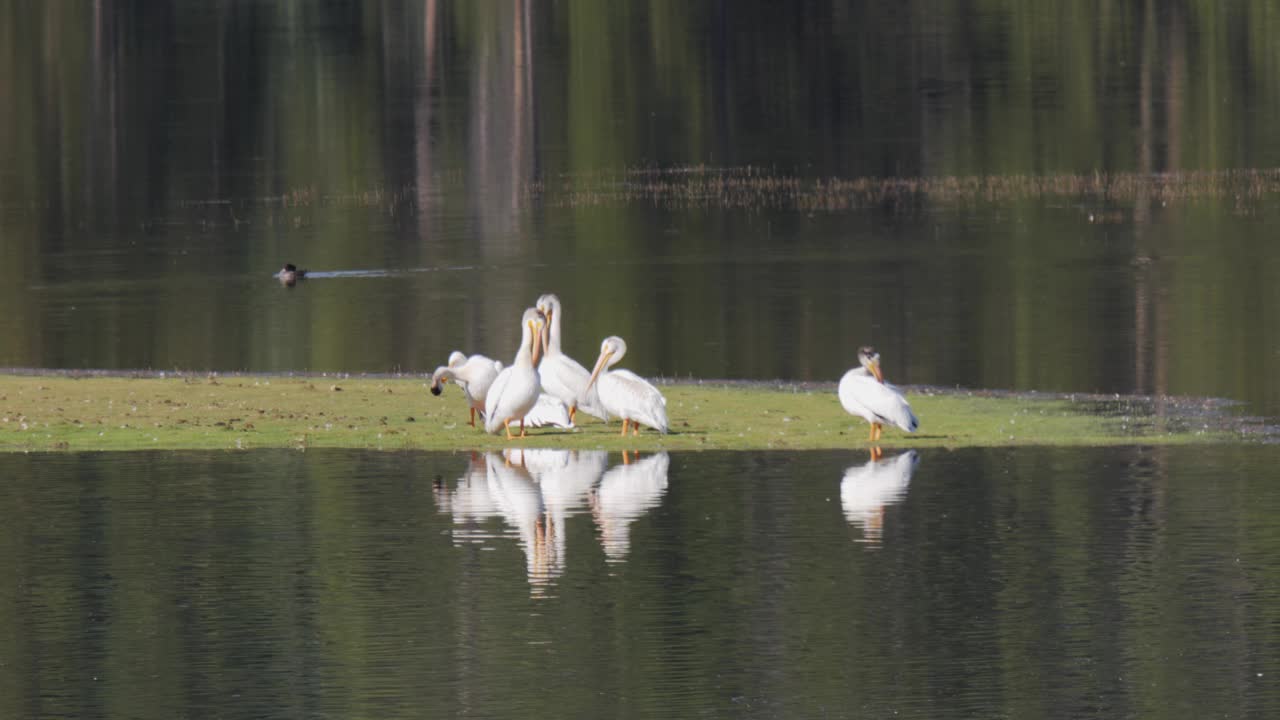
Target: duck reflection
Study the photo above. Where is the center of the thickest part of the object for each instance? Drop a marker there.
(625, 493)
(868, 489)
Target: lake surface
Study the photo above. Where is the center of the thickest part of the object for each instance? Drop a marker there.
(1117, 582)
(1053, 196)
(1062, 196)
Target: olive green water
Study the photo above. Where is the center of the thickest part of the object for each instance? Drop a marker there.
(1115, 582)
(1075, 197)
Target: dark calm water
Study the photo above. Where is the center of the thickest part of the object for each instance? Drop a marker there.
(1118, 582)
(1055, 196)
(449, 162)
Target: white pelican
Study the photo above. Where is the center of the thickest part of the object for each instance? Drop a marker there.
(562, 376)
(473, 374)
(515, 391)
(867, 490)
(625, 394)
(863, 392)
(476, 374)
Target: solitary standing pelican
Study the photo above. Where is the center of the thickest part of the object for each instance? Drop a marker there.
(625, 394)
(863, 392)
(515, 391)
(473, 374)
(561, 375)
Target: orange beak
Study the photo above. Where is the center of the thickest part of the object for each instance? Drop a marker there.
(595, 372)
(537, 341)
(875, 370)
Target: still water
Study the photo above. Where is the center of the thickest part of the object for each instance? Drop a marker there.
(1055, 196)
(1030, 582)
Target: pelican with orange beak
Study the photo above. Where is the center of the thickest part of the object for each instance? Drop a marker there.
(562, 376)
(515, 391)
(863, 392)
(625, 394)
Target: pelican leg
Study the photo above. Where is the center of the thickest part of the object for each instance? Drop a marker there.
(635, 428)
(573, 411)
(523, 432)
(507, 424)
(871, 436)
(624, 426)
(473, 417)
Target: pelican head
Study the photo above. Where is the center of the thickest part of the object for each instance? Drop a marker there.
(441, 376)
(549, 306)
(611, 351)
(870, 360)
(534, 321)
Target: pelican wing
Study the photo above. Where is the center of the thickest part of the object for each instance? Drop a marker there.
(548, 411)
(564, 378)
(862, 395)
(478, 373)
(631, 397)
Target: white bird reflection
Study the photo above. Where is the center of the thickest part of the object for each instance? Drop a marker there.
(625, 493)
(469, 502)
(534, 492)
(868, 489)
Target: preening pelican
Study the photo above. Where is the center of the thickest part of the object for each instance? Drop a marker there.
(867, 490)
(515, 391)
(863, 392)
(561, 375)
(473, 374)
(625, 394)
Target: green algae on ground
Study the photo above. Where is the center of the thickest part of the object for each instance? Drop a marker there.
(61, 412)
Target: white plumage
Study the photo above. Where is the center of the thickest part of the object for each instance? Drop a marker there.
(473, 374)
(562, 376)
(624, 494)
(515, 391)
(627, 395)
(864, 393)
(867, 489)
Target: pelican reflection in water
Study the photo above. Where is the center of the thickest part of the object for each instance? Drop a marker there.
(519, 500)
(626, 492)
(868, 489)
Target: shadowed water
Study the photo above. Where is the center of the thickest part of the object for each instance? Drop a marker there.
(1118, 582)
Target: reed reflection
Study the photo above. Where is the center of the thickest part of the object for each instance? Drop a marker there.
(626, 492)
(868, 489)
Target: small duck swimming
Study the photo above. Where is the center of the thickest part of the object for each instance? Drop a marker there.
(289, 275)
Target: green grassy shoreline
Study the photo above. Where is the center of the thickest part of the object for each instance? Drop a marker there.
(98, 412)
